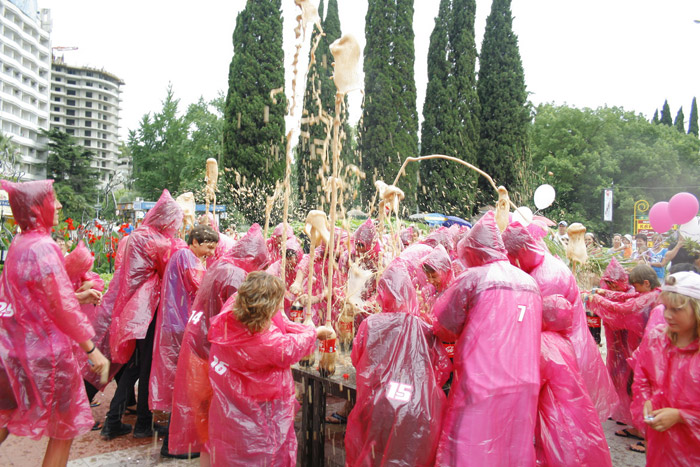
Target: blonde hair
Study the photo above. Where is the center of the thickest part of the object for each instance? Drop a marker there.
(259, 297)
(676, 300)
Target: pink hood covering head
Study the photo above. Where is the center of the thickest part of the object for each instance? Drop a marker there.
(366, 234)
(166, 215)
(406, 236)
(439, 260)
(483, 243)
(616, 274)
(293, 244)
(279, 231)
(250, 252)
(78, 262)
(32, 204)
(395, 290)
(557, 314)
(441, 236)
(523, 247)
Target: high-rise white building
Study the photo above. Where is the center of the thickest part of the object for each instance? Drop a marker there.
(25, 67)
(85, 103)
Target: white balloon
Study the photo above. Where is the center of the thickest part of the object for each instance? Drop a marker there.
(523, 215)
(691, 229)
(544, 196)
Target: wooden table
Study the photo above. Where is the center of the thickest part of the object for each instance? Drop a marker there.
(313, 408)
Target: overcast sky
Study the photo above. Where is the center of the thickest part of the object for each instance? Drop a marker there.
(585, 53)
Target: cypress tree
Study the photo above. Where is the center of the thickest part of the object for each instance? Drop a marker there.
(655, 120)
(679, 122)
(254, 132)
(450, 111)
(505, 115)
(318, 114)
(666, 115)
(389, 127)
(693, 127)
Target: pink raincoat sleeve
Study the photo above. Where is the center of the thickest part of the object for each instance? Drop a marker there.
(568, 431)
(631, 315)
(180, 283)
(669, 376)
(251, 418)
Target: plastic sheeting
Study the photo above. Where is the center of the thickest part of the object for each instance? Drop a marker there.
(145, 256)
(401, 368)
(554, 278)
(568, 431)
(251, 418)
(225, 242)
(624, 324)
(189, 422)
(274, 243)
(41, 389)
(494, 313)
(181, 280)
(669, 377)
(292, 265)
(250, 252)
(439, 260)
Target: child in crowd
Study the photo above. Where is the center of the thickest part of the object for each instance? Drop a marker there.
(251, 418)
(667, 377)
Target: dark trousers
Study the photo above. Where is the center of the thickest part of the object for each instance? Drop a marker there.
(138, 368)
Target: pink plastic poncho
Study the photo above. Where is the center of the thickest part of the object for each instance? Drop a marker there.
(145, 256)
(250, 252)
(441, 236)
(568, 431)
(251, 418)
(225, 242)
(401, 368)
(41, 389)
(493, 311)
(291, 265)
(189, 421)
(78, 266)
(669, 377)
(439, 261)
(181, 280)
(554, 278)
(274, 243)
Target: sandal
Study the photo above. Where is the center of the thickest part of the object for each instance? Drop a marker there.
(95, 404)
(640, 447)
(625, 433)
(97, 426)
(336, 419)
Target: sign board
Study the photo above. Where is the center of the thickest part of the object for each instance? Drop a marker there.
(608, 205)
(643, 226)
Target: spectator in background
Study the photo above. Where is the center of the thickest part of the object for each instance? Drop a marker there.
(628, 247)
(656, 256)
(592, 244)
(561, 236)
(617, 247)
(641, 255)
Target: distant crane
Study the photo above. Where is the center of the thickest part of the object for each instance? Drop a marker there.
(60, 49)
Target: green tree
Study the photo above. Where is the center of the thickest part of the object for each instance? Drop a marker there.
(9, 155)
(75, 181)
(666, 115)
(157, 150)
(693, 127)
(679, 122)
(655, 120)
(451, 110)
(589, 150)
(505, 114)
(254, 129)
(389, 126)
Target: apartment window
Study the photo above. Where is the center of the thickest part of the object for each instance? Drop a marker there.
(88, 94)
(70, 92)
(56, 109)
(71, 72)
(57, 89)
(72, 81)
(70, 131)
(56, 119)
(58, 80)
(71, 102)
(88, 84)
(88, 114)
(88, 124)
(87, 142)
(88, 74)
(70, 112)
(57, 99)
(70, 121)
(88, 104)
(88, 133)
(104, 135)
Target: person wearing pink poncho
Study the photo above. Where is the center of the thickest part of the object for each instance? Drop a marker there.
(294, 255)
(526, 250)
(41, 388)
(568, 432)
(666, 384)
(493, 311)
(251, 417)
(138, 279)
(225, 242)
(192, 392)
(274, 243)
(401, 367)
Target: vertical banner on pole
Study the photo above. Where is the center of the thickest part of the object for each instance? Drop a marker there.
(608, 205)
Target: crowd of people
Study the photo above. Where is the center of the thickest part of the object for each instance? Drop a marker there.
(470, 345)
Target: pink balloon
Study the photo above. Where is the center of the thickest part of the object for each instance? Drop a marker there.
(683, 207)
(660, 218)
